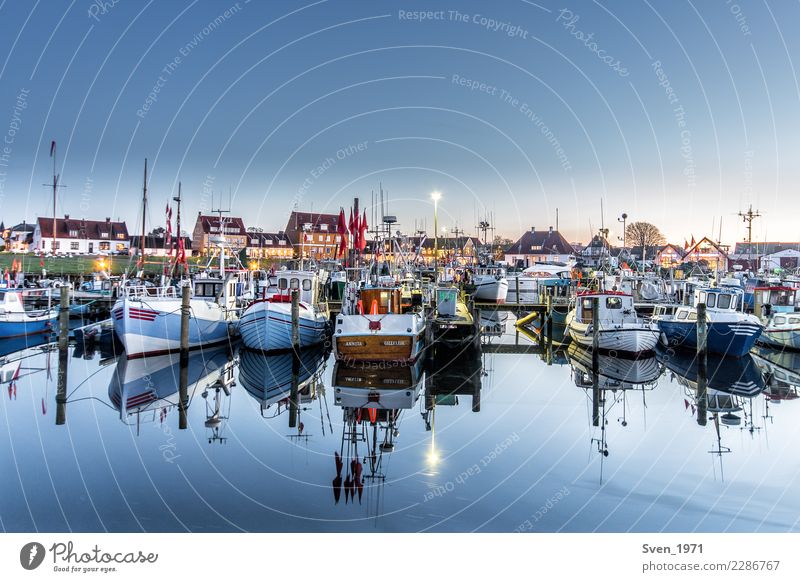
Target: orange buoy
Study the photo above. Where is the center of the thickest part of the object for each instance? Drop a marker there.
(373, 415)
(360, 307)
(373, 309)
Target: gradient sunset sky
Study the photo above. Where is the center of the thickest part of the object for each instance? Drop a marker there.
(677, 113)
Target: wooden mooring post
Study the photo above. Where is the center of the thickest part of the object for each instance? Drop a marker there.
(595, 361)
(63, 356)
(702, 364)
(293, 394)
(183, 386)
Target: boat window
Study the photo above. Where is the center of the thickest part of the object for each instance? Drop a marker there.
(283, 283)
(306, 284)
(711, 301)
(2, 297)
(780, 320)
(294, 283)
(692, 316)
(613, 303)
(724, 302)
(702, 297)
(682, 315)
(794, 320)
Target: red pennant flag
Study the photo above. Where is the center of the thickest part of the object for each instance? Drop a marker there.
(351, 224)
(691, 244)
(362, 231)
(341, 230)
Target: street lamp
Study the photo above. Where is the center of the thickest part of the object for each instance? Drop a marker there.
(435, 195)
(622, 219)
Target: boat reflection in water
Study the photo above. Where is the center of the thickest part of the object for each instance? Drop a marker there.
(373, 398)
(280, 382)
(607, 382)
(722, 391)
(781, 371)
(147, 389)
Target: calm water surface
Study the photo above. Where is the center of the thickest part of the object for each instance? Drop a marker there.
(498, 441)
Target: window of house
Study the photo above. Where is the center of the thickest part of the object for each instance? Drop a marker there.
(103, 235)
(323, 227)
(268, 241)
(73, 233)
(74, 246)
(120, 236)
(328, 238)
(120, 247)
(105, 246)
(282, 242)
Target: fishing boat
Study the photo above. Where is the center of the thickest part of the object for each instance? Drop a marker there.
(620, 328)
(529, 286)
(266, 324)
(369, 387)
(17, 318)
(781, 371)
(490, 284)
(453, 324)
(729, 331)
(737, 376)
(775, 306)
(373, 326)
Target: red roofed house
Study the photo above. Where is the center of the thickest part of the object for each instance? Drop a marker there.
(81, 236)
(207, 227)
(709, 253)
(670, 256)
(313, 234)
(544, 246)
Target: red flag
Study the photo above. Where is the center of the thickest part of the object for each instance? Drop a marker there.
(691, 244)
(362, 231)
(351, 224)
(341, 230)
(685, 245)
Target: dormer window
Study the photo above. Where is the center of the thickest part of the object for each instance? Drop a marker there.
(73, 233)
(323, 227)
(103, 235)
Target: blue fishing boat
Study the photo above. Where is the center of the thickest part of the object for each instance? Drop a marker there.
(18, 319)
(730, 332)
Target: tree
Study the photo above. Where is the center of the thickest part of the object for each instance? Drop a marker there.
(158, 231)
(643, 234)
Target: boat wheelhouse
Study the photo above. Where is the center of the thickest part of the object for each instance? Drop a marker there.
(490, 284)
(620, 329)
(18, 317)
(729, 331)
(776, 308)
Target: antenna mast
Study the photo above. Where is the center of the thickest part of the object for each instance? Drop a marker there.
(749, 217)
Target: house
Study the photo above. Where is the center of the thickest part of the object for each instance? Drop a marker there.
(80, 236)
(785, 259)
(156, 246)
(18, 238)
(269, 245)
(458, 249)
(596, 253)
(207, 227)
(670, 256)
(546, 246)
(313, 234)
(749, 255)
(707, 253)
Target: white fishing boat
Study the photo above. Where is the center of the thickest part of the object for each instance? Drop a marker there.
(526, 286)
(775, 306)
(620, 328)
(373, 326)
(266, 324)
(490, 284)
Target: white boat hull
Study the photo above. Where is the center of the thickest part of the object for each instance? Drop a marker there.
(491, 289)
(630, 338)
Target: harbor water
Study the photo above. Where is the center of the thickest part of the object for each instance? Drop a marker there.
(505, 440)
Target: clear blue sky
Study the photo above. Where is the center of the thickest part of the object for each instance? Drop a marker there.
(677, 113)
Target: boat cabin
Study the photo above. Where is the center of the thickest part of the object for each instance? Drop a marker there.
(380, 300)
(614, 307)
(724, 299)
(281, 284)
(770, 300)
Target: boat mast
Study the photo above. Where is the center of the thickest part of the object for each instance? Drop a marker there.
(178, 229)
(55, 185)
(144, 214)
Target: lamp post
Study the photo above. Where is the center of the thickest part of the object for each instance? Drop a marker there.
(435, 197)
(623, 220)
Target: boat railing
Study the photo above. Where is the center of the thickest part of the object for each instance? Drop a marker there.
(142, 291)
